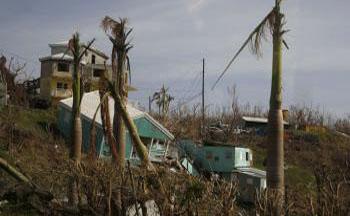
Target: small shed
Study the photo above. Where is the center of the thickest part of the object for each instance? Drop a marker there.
(250, 182)
(155, 136)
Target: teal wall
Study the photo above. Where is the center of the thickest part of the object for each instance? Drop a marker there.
(146, 129)
(64, 125)
(217, 158)
(144, 126)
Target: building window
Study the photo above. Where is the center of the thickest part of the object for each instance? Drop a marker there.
(62, 67)
(98, 72)
(133, 153)
(93, 59)
(59, 85)
(247, 156)
(209, 155)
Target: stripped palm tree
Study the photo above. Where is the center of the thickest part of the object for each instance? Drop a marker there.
(272, 23)
(118, 35)
(76, 49)
(105, 119)
(163, 100)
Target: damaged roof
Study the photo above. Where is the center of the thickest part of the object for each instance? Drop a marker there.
(91, 101)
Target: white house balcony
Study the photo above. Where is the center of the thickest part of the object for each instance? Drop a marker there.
(62, 93)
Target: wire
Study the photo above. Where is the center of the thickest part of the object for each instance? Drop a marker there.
(192, 85)
(187, 101)
(19, 56)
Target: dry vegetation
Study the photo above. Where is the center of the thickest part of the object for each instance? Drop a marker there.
(317, 171)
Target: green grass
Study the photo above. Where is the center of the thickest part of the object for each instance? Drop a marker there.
(259, 156)
(296, 175)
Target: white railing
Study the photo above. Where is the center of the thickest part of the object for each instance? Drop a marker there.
(61, 93)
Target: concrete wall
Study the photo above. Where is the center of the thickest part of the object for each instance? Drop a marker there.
(98, 59)
(45, 79)
(59, 49)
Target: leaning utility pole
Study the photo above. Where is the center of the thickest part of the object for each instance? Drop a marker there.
(149, 104)
(203, 109)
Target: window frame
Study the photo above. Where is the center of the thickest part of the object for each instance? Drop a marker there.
(65, 67)
(60, 84)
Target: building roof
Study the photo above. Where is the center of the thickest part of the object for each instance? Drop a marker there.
(60, 57)
(91, 101)
(92, 48)
(218, 143)
(258, 120)
(251, 171)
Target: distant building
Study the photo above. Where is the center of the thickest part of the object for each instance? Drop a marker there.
(226, 160)
(155, 136)
(57, 70)
(217, 158)
(258, 124)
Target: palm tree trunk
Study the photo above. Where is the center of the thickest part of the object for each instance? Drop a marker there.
(108, 129)
(76, 122)
(141, 149)
(13, 171)
(275, 151)
(118, 124)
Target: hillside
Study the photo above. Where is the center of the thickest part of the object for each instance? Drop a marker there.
(30, 142)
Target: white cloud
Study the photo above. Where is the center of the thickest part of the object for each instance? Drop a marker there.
(194, 5)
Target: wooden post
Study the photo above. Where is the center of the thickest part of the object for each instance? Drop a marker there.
(149, 104)
(167, 146)
(203, 109)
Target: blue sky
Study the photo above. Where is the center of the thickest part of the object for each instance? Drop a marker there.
(172, 36)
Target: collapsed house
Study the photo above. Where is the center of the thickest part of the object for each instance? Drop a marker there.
(227, 161)
(155, 136)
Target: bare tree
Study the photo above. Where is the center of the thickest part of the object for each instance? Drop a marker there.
(118, 34)
(75, 47)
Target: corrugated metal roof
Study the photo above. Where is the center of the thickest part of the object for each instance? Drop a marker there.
(258, 119)
(252, 171)
(91, 100)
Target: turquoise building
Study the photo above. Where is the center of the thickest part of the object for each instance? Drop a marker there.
(216, 157)
(157, 138)
(226, 160)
